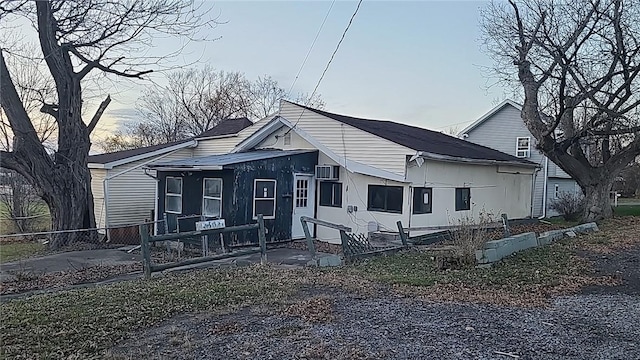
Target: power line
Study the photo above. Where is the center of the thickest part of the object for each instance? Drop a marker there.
(310, 48)
(344, 33)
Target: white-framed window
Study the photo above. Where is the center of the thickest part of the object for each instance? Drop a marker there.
(173, 195)
(523, 147)
(264, 198)
(212, 197)
(556, 192)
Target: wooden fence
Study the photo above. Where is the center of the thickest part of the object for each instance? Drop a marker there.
(147, 240)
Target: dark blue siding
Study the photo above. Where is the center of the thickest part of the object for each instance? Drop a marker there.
(237, 197)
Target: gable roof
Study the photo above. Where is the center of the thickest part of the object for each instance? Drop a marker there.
(125, 156)
(224, 128)
(423, 140)
(488, 115)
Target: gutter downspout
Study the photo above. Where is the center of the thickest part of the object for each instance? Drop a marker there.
(544, 188)
(105, 200)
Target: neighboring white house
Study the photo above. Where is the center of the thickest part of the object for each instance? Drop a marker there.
(502, 129)
(124, 193)
(372, 173)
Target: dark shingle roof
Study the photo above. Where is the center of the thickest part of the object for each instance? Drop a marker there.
(119, 155)
(420, 139)
(226, 127)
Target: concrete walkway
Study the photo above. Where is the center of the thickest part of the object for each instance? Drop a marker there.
(72, 260)
(75, 260)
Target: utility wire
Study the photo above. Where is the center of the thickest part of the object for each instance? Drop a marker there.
(310, 48)
(315, 89)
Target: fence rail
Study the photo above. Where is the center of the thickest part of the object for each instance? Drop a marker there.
(148, 240)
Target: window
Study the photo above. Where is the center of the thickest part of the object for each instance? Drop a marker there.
(556, 193)
(173, 195)
(385, 198)
(463, 199)
(422, 200)
(287, 138)
(212, 197)
(264, 198)
(523, 147)
(330, 193)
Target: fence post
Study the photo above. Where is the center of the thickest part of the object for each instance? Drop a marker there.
(307, 234)
(144, 248)
(505, 225)
(262, 238)
(403, 236)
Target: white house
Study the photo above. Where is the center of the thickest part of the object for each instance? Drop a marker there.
(124, 191)
(502, 129)
(372, 173)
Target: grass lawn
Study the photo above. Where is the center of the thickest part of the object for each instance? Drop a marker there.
(41, 223)
(12, 251)
(627, 210)
(84, 323)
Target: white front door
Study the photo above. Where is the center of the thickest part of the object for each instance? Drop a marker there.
(304, 196)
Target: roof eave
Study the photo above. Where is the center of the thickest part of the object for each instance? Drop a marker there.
(127, 160)
(439, 157)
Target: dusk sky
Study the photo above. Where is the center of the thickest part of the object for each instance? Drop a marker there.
(418, 63)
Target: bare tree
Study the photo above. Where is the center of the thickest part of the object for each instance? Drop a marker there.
(21, 204)
(577, 66)
(195, 100)
(77, 38)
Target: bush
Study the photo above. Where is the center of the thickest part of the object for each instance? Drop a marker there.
(568, 204)
(467, 236)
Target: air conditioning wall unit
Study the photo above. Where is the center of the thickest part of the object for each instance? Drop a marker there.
(327, 172)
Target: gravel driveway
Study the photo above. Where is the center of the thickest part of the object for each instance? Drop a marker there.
(596, 326)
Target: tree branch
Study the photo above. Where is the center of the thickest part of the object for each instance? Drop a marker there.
(98, 114)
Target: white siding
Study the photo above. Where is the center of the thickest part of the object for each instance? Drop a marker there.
(494, 190)
(354, 192)
(97, 189)
(224, 145)
(500, 132)
(556, 171)
(131, 193)
(347, 141)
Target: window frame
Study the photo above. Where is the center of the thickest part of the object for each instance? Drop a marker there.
(167, 194)
(556, 193)
(422, 190)
(286, 138)
(206, 197)
(333, 202)
(468, 189)
(386, 197)
(275, 190)
(523, 153)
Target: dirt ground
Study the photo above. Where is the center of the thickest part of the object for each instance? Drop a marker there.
(599, 323)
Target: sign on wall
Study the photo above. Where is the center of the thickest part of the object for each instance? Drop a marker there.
(210, 224)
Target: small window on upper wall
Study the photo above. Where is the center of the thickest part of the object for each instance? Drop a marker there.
(463, 199)
(287, 138)
(523, 147)
(264, 198)
(330, 193)
(556, 193)
(422, 200)
(173, 195)
(385, 198)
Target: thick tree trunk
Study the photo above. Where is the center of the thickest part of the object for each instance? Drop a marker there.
(68, 201)
(597, 202)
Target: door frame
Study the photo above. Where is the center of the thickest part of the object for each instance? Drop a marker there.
(311, 202)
